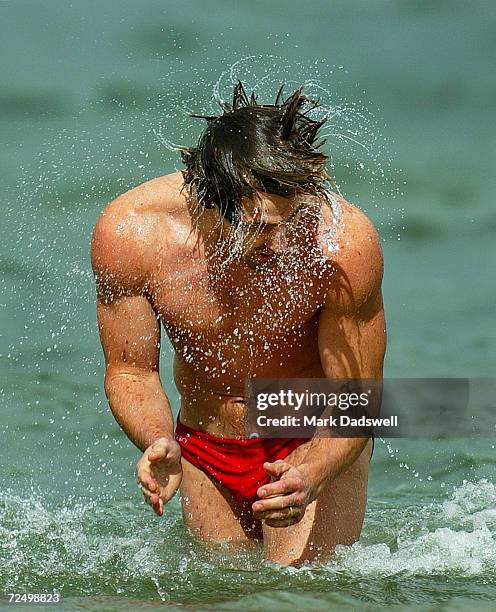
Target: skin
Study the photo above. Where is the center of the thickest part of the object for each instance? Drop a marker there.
(288, 307)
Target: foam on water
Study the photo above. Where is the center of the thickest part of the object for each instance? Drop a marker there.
(99, 546)
(464, 541)
(77, 544)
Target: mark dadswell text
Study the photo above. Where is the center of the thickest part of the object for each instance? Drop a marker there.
(331, 421)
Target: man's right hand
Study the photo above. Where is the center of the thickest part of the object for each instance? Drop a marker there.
(159, 473)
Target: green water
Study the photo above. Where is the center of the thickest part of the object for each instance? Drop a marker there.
(91, 94)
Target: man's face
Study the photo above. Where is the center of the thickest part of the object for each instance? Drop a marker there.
(266, 226)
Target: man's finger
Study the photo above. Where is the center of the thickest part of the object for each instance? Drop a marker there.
(152, 485)
(260, 507)
(146, 490)
(143, 475)
(169, 458)
(282, 515)
(146, 494)
(158, 452)
(154, 501)
(284, 518)
(279, 487)
(283, 522)
(157, 505)
(147, 482)
(276, 469)
(167, 492)
(278, 502)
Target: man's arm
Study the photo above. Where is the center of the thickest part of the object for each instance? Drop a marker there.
(352, 338)
(352, 343)
(129, 328)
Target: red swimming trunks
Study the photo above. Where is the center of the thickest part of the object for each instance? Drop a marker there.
(236, 464)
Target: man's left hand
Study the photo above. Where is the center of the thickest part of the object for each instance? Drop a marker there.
(284, 501)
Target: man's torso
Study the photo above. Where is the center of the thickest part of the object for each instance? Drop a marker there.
(227, 325)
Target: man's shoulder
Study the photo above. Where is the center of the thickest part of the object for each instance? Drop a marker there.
(354, 251)
(161, 195)
(134, 214)
(126, 232)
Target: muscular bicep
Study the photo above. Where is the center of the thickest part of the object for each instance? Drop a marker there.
(352, 328)
(352, 345)
(128, 325)
(130, 335)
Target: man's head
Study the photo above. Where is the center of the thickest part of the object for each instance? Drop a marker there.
(253, 149)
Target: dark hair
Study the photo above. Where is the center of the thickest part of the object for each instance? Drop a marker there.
(255, 147)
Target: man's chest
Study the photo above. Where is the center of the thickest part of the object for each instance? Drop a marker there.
(196, 302)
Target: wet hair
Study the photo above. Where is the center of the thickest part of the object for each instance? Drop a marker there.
(256, 147)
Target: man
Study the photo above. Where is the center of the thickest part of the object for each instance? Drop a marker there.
(255, 269)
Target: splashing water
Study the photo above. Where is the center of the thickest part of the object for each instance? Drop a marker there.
(97, 546)
(53, 209)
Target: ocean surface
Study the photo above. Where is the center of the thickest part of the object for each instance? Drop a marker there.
(93, 97)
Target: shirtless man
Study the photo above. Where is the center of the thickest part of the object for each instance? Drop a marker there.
(255, 269)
